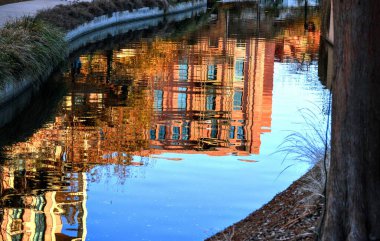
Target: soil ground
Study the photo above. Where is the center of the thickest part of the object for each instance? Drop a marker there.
(290, 215)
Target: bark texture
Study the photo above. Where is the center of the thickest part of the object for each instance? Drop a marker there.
(325, 16)
(353, 190)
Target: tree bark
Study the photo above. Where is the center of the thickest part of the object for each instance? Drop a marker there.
(353, 189)
(325, 17)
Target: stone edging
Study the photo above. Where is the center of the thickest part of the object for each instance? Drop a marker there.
(126, 16)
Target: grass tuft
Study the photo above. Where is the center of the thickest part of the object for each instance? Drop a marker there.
(29, 48)
(311, 146)
(308, 145)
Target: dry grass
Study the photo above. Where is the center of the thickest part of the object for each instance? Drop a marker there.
(229, 234)
(314, 183)
(312, 145)
(29, 48)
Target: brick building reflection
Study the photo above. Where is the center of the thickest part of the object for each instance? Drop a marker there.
(212, 95)
(216, 96)
(29, 213)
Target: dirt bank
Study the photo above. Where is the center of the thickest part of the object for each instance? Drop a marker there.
(290, 215)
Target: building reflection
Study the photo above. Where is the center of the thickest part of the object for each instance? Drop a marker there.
(215, 93)
(210, 92)
(218, 95)
(42, 208)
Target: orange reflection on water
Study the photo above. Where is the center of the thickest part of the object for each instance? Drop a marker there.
(212, 95)
(40, 216)
(155, 96)
(204, 95)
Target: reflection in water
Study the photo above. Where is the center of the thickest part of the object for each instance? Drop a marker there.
(208, 91)
(38, 204)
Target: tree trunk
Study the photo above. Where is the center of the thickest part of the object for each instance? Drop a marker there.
(353, 189)
(325, 17)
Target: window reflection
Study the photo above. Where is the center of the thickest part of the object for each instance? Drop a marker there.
(238, 100)
(239, 69)
(182, 98)
(211, 72)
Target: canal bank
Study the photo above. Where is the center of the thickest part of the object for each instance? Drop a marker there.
(12, 86)
(293, 214)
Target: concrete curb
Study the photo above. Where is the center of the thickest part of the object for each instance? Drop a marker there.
(126, 16)
(121, 22)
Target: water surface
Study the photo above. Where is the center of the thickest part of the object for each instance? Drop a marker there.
(169, 135)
